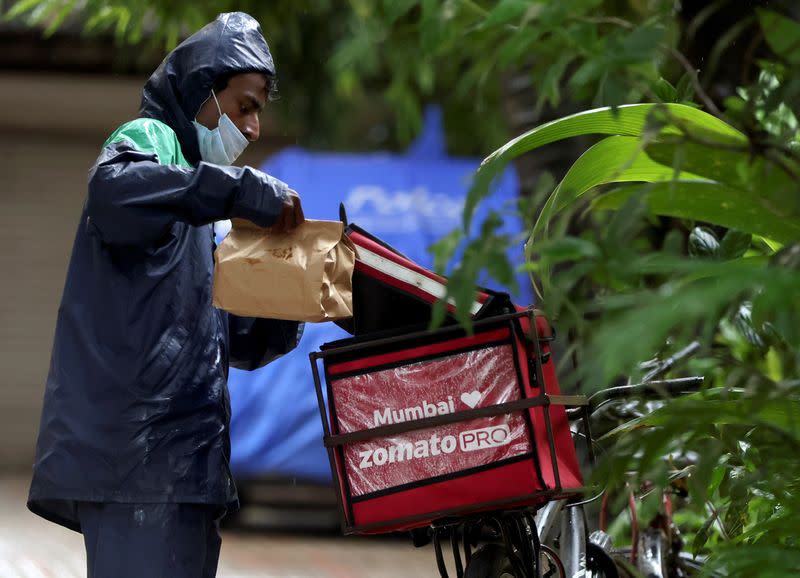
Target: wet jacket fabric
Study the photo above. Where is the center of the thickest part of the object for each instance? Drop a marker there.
(136, 406)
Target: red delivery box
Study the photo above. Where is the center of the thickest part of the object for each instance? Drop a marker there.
(390, 291)
(435, 424)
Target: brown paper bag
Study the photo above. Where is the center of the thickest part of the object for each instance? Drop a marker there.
(305, 275)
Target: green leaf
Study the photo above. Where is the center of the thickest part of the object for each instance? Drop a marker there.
(59, 18)
(97, 19)
(770, 244)
(616, 159)
(171, 35)
(638, 44)
(500, 268)
(684, 88)
(720, 471)
(438, 314)
(567, 249)
(612, 91)
(550, 85)
(713, 203)
(444, 249)
(480, 189)
(627, 120)
(700, 479)
(637, 324)
(777, 307)
(395, 9)
(702, 535)
(733, 167)
(665, 91)
(762, 560)
(781, 415)
(52, 12)
(735, 244)
(123, 18)
(781, 33)
(21, 7)
(625, 225)
(673, 243)
(506, 11)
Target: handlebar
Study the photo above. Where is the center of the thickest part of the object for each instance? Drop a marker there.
(658, 367)
(659, 389)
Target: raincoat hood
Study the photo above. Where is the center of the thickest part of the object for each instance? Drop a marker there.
(233, 43)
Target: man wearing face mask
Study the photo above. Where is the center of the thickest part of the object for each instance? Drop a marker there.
(134, 447)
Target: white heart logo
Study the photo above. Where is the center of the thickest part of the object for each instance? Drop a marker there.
(472, 398)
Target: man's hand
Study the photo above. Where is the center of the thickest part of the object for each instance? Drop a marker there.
(291, 214)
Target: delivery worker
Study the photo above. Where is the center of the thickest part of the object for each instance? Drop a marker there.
(134, 446)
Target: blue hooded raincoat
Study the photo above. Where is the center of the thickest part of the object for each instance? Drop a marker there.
(136, 407)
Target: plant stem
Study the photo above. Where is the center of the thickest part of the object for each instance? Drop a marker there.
(608, 20)
(698, 88)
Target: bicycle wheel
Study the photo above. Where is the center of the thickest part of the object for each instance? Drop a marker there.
(489, 561)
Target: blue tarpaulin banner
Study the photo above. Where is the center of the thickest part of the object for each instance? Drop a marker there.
(409, 201)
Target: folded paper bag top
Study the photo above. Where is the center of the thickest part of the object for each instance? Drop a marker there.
(305, 275)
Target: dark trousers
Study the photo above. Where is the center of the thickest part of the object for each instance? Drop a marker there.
(150, 540)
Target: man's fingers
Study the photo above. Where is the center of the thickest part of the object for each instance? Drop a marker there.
(286, 220)
(299, 217)
(281, 222)
(277, 226)
(295, 214)
(291, 214)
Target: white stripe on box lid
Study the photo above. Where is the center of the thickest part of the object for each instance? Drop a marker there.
(409, 276)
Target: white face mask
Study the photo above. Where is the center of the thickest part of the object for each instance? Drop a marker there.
(224, 144)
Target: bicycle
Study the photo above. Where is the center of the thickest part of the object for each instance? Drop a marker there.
(383, 394)
(556, 541)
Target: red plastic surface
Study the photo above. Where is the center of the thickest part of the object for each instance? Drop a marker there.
(440, 386)
(504, 482)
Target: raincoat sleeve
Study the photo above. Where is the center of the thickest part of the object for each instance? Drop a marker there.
(141, 185)
(253, 343)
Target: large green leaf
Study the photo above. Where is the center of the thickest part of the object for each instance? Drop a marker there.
(733, 167)
(616, 159)
(627, 120)
(714, 203)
